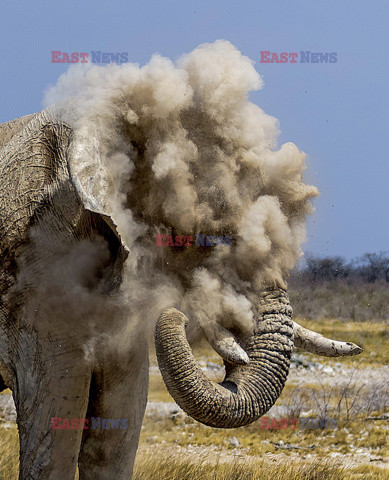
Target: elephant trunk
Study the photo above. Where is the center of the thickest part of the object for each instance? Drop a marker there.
(248, 391)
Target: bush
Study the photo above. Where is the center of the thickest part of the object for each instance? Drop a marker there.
(331, 287)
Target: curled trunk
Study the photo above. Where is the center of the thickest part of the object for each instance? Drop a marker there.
(248, 391)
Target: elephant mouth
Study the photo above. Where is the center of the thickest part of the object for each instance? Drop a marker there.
(256, 367)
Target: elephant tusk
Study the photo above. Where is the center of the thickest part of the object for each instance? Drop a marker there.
(316, 343)
(225, 344)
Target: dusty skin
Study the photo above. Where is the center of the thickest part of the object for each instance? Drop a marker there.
(120, 154)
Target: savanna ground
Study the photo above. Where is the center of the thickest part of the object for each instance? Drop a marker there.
(351, 392)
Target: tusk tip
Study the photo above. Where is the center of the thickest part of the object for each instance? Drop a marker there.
(240, 358)
(233, 353)
(354, 349)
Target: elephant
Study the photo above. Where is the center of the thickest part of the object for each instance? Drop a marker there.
(42, 356)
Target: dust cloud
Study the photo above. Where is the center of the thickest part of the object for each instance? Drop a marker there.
(177, 148)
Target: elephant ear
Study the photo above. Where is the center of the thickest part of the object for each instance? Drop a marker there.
(87, 170)
(90, 175)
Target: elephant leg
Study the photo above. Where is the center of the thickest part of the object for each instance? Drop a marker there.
(5, 371)
(49, 385)
(117, 403)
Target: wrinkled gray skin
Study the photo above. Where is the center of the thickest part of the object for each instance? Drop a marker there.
(42, 355)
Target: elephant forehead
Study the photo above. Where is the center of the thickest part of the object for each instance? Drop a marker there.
(9, 129)
(33, 166)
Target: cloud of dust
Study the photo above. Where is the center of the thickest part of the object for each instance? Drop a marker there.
(178, 148)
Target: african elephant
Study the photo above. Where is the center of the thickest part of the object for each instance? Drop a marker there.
(44, 221)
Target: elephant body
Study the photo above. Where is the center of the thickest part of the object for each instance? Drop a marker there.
(62, 267)
(42, 342)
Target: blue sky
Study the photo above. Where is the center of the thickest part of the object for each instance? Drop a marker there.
(337, 113)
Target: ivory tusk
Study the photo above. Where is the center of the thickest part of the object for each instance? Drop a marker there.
(316, 343)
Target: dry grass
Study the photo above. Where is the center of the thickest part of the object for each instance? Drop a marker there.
(177, 468)
(159, 466)
(260, 450)
(255, 444)
(9, 453)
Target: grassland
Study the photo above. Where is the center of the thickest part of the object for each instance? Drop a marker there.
(366, 302)
(174, 447)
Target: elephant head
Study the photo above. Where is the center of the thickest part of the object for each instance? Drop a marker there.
(255, 375)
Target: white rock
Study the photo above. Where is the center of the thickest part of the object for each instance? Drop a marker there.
(233, 442)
